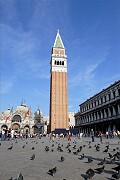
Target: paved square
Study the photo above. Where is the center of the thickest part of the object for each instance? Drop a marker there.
(17, 160)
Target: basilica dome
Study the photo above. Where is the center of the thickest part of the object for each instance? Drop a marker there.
(22, 108)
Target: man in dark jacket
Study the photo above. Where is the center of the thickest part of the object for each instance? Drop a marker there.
(92, 135)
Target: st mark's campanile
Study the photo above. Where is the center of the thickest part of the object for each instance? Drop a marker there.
(58, 86)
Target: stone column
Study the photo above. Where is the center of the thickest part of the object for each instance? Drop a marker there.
(109, 112)
(105, 114)
(118, 109)
(114, 112)
(111, 95)
(116, 93)
(103, 99)
(91, 117)
(101, 114)
(107, 97)
(94, 117)
(98, 117)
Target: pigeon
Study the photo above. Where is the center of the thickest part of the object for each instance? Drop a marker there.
(19, 177)
(106, 150)
(32, 157)
(113, 160)
(100, 170)
(69, 151)
(107, 146)
(33, 148)
(80, 149)
(23, 146)
(97, 148)
(102, 162)
(110, 155)
(117, 168)
(76, 152)
(81, 157)
(10, 147)
(60, 149)
(74, 147)
(68, 146)
(62, 158)
(90, 160)
(90, 173)
(116, 175)
(118, 155)
(89, 143)
(46, 148)
(11, 178)
(52, 171)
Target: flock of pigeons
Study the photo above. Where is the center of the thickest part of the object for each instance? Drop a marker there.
(113, 157)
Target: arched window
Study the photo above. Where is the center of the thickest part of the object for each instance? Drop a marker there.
(16, 118)
(60, 62)
(57, 62)
(63, 63)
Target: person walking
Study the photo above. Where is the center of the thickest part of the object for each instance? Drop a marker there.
(100, 135)
(118, 133)
(3, 135)
(92, 135)
(107, 134)
(12, 134)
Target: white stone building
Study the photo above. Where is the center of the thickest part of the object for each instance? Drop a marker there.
(22, 120)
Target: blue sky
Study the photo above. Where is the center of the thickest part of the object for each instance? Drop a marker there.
(90, 30)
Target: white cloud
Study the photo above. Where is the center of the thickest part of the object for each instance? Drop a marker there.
(86, 76)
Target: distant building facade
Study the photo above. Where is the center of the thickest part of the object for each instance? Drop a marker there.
(71, 119)
(58, 86)
(101, 112)
(40, 124)
(22, 121)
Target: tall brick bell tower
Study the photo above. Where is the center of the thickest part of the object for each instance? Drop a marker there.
(58, 86)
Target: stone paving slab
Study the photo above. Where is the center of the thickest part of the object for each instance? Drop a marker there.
(17, 160)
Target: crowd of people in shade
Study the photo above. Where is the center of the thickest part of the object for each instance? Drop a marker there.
(11, 135)
(109, 134)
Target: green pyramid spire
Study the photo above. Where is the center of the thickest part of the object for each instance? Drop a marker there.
(58, 41)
